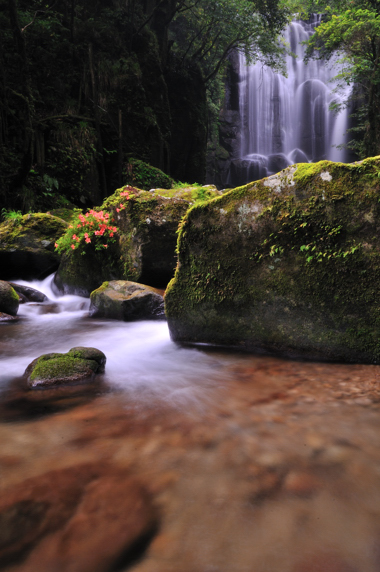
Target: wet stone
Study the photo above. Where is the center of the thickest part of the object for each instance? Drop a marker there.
(76, 366)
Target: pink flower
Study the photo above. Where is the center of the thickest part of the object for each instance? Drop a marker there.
(88, 239)
(86, 234)
(117, 210)
(78, 225)
(73, 246)
(111, 233)
(56, 244)
(105, 245)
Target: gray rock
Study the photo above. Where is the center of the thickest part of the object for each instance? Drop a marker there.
(144, 247)
(9, 300)
(288, 265)
(29, 294)
(127, 301)
(27, 246)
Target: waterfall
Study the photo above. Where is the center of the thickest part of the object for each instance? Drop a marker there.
(286, 120)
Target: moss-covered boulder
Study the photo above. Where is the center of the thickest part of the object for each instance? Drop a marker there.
(78, 365)
(145, 246)
(27, 246)
(142, 175)
(127, 301)
(289, 264)
(9, 300)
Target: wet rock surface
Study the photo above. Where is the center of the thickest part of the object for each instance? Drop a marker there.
(9, 300)
(288, 266)
(7, 317)
(76, 366)
(145, 250)
(124, 300)
(28, 294)
(27, 246)
(277, 469)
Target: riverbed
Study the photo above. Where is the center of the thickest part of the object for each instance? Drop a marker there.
(182, 459)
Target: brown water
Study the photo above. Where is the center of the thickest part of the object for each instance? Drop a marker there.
(184, 460)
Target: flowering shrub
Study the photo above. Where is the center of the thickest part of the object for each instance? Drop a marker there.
(93, 227)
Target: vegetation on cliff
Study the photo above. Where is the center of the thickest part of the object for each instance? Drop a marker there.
(86, 86)
(351, 30)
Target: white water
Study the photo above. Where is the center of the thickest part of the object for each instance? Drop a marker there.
(140, 355)
(287, 120)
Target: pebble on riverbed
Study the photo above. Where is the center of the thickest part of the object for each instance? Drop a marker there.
(76, 366)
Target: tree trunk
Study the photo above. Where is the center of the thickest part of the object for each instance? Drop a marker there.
(103, 181)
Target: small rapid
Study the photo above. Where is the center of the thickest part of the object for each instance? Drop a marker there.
(141, 358)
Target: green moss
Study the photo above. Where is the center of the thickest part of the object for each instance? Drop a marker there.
(31, 229)
(285, 264)
(14, 295)
(141, 174)
(62, 366)
(101, 288)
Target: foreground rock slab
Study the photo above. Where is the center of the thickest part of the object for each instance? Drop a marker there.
(127, 301)
(76, 366)
(289, 264)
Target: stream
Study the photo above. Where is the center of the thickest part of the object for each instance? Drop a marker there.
(141, 358)
(183, 459)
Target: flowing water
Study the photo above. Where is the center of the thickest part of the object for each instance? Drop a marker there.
(183, 459)
(287, 120)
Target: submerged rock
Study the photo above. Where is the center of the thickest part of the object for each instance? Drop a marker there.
(27, 246)
(145, 245)
(76, 366)
(7, 318)
(289, 264)
(9, 300)
(128, 301)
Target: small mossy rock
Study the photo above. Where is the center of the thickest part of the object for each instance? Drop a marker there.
(127, 301)
(76, 366)
(9, 300)
(89, 353)
(147, 237)
(288, 265)
(28, 294)
(27, 246)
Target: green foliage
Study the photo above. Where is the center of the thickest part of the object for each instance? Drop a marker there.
(12, 215)
(139, 174)
(352, 29)
(207, 32)
(93, 228)
(306, 232)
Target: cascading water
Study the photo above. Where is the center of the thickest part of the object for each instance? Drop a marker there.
(286, 120)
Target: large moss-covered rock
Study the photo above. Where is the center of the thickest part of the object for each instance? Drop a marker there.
(76, 366)
(128, 301)
(289, 264)
(146, 240)
(27, 246)
(9, 300)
